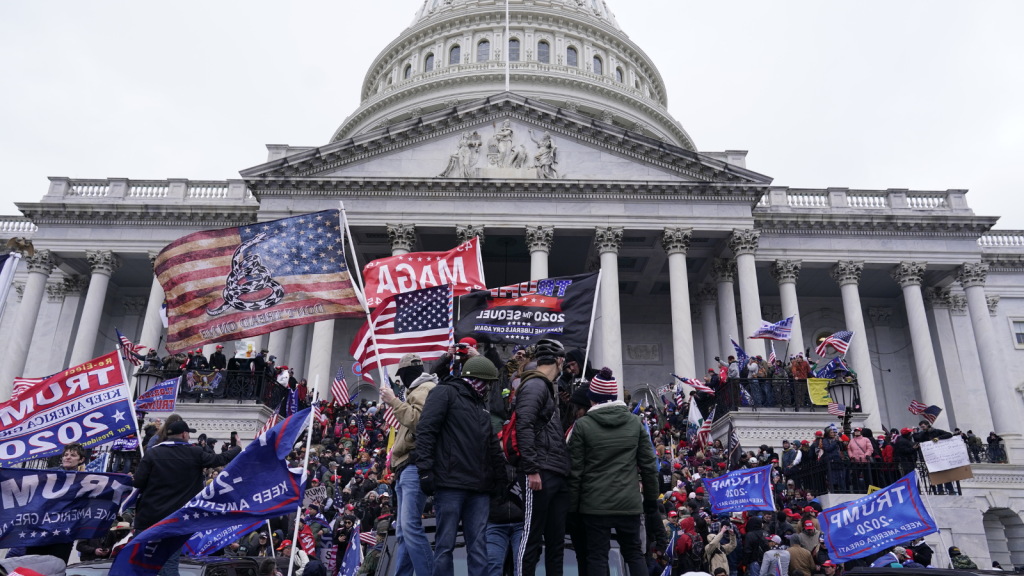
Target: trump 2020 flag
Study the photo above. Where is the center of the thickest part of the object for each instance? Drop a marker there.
(742, 490)
(50, 506)
(159, 398)
(209, 541)
(241, 282)
(255, 486)
(781, 330)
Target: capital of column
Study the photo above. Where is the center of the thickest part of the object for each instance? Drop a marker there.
(75, 285)
(707, 294)
(465, 233)
(958, 305)
(972, 274)
(846, 272)
(676, 240)
(134, 306)
(608, 239)
(540, 238)
(103, 261)
(152, 257)
(744, 241)
(723, 270)
(938, 298)
(908, 273)
(993, 302)
(19, 287)
(55, 292)
(785, 271)
(880, 316)
(402, 236)
(43, 261)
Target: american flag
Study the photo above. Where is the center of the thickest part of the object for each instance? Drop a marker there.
(916, 408)
(271, 422)
(364, 436)
(771, 355)
(265, 276)
(836, 409)
(695, 384)
(931, 413)
(21, 384)
(704, 434)
(130, 352)
(389, 415)
(679, 400)
(324, 421)
(339, 388)
(840, 341)
(413, 322)
(369, 538)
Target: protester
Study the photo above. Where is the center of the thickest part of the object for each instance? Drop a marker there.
(960, 561)
(72, 458)
(775, 560)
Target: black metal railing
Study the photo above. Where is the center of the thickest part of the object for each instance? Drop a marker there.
(209, 385)
(784, 393)
(847, 477)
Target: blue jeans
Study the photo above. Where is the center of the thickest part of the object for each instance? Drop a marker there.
(498, 538)
(413, 552)
(171, 566)
(472, 508)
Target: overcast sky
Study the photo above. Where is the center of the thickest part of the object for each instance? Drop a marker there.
(927, 95)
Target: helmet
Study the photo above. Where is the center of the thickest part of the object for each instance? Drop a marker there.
(481, 368)
(548, 348)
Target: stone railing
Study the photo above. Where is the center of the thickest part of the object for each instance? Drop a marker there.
(1002, 239)
(843, 199)
(121, 189)
(16, 226)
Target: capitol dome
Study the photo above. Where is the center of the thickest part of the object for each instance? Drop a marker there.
(571, 54)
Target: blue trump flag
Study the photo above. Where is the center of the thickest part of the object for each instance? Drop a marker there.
(893, 515)
(742, 490)
(353, 555)
(781, 330)
(209, 541)
(829, 370)
(159, 398)
(255, 486)
(50, 506)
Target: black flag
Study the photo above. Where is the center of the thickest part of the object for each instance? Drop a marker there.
(734, 451)
(559, 308)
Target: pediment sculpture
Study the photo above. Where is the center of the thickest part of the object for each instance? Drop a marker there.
(504, 158)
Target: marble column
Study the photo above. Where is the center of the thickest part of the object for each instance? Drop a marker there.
(723, 272)
(39, 267)
(278, 346)
(297, 350)
(539, 240)
(847, 274)
(103, 264)
(909, 276)
(402, 238)
(743, 244)
(707, 295)
(74, 289)
(965, 403)
(970, 363)
(881, 318)
(1002, 400)
(786, 273)
(152, 325)
(320, 358)
(465, 233)
(608, 241)
(676, 241)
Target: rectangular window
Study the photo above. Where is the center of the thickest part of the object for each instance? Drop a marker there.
(513, 51)
(1017, 331)
(544, 53)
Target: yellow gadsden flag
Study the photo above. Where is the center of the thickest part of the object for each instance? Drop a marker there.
(816, 388)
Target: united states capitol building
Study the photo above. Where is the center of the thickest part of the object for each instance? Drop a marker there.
(578, 166)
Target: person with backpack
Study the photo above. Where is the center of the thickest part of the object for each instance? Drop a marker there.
(543, 460)
(722, 540)
(775, 560)
(755, 544)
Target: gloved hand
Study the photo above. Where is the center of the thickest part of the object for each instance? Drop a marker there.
(427, 482)
(650, 506)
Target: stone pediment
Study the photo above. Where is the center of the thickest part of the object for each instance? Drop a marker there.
(505, 137)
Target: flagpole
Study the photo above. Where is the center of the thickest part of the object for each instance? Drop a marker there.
(508, 44)
(305, 472)
(270, 537)
(590, 331)
(362, 299)
(131, 401)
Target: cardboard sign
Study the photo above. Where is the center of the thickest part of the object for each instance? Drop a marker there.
(951, 475)
(318, 494)
(945, 454)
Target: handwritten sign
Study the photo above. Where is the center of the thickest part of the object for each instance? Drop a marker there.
(945, 454)
(313, 495)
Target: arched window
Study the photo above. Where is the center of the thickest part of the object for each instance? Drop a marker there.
(598, 67)
(408, 71)
(571, 57)
(544, 53)
(618, 75)
(455, 55)
(513, 50)
(483, 51)
(428, 64)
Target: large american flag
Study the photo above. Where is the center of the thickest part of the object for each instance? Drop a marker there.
(130, 352)
(339, 388)
(291, 272)
(696, 384)
(840, 341)
(916, 408)
(271, 422)
(414, 322)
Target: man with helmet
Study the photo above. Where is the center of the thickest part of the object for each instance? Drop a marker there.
(544, 465)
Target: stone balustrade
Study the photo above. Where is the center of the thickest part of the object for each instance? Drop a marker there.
(124, 190)
(866, 201)
(1002, 239)
(11, 226)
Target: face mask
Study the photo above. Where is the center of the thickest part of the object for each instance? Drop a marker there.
(479, 386)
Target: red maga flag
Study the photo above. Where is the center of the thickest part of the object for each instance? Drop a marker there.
(461, 267)
(241, 282)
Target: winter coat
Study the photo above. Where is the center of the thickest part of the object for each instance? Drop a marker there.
(169, 476)
(932, 434)
(408, 415)
(717, 553)
(801, 369)
(773, 557)
(831, 450)
(809, 542)
(455, 440)
(754, 543)
(860, 449)
(503, 510)
(904, 450)
(218, 361)
(800, 559)
(539, 428)
(607, 446)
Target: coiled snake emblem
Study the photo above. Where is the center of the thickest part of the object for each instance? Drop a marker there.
(248, 275)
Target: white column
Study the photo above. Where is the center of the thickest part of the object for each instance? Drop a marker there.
(103, 264)
(608, 241)
(320, 357)
(1002, 400)
(890, 403)
(297, 350)
(723, 272)
(676, 241)
(39, 268)
(909, 276)
(278, 346)
(847, 274)
(74, 289)
(707, 296)
(743, 243)
(539, 240)
(152, 326)
(402, 238)
(786, 273)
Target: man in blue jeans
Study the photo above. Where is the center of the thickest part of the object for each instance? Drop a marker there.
(413, 553)
(504, 528)
(460, 462)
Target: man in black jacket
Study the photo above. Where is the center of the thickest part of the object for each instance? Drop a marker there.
(544, 464)
(930, 434)
(217, 360)
(905, 451)
(169, 475)
(458, 458)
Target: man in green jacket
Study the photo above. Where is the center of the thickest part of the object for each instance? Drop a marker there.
(607, 446)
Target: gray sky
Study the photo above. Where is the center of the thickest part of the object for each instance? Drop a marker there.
(922, 94)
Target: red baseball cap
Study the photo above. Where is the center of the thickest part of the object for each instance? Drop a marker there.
(672, 514)
(818, 433)
(468, 340)
(808, 509)
(827, 563)
(219, 346)
(905, 431)
(808, 525)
